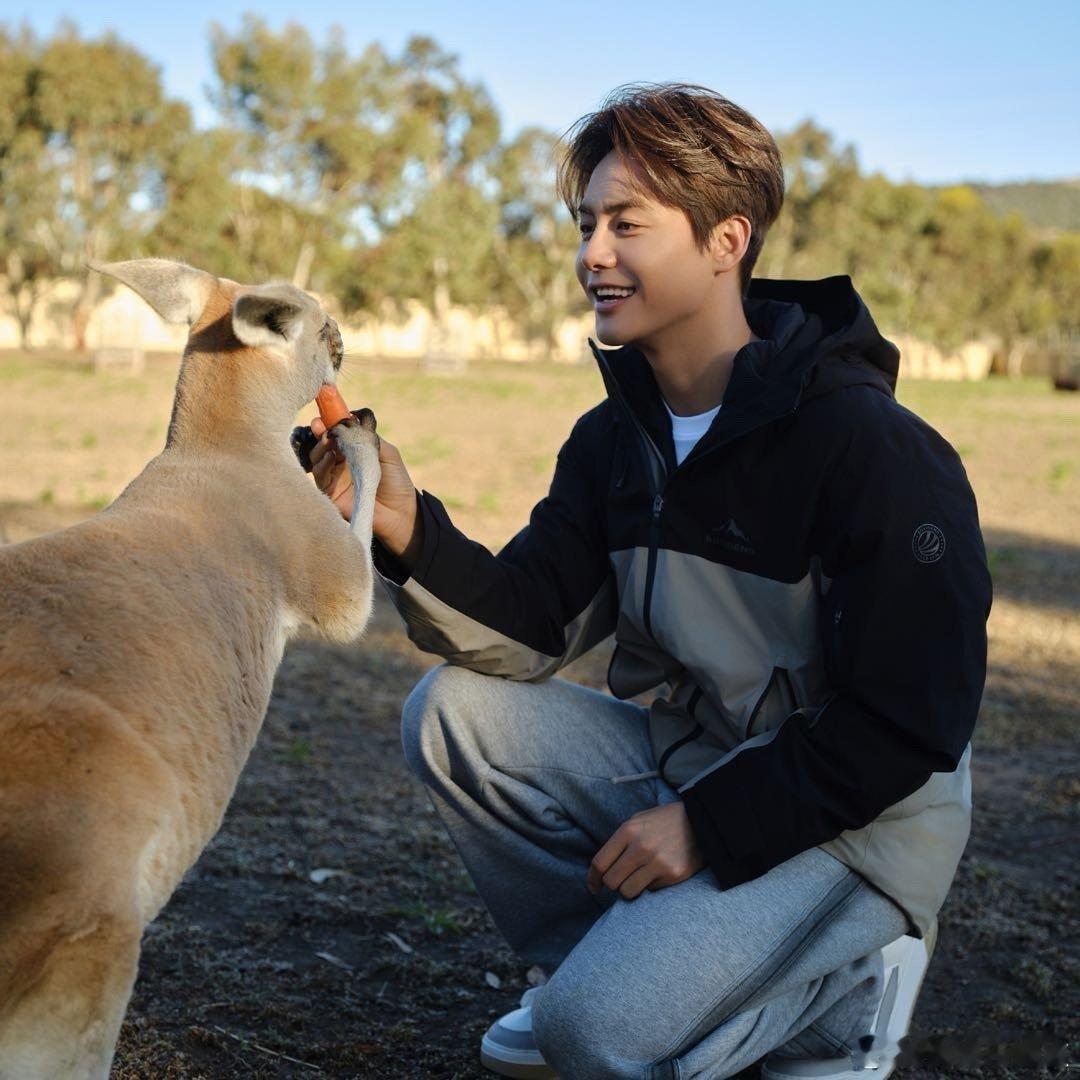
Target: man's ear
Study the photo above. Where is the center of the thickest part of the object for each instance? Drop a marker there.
(178, 293)
(259, 320)
(730, 239)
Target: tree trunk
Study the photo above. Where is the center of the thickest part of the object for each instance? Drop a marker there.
(84, 307)
(556, 313)
(304, 261)
(24, 316)
(440, 323)
(1014, 359)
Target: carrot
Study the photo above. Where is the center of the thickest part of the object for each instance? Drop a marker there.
(332, 407)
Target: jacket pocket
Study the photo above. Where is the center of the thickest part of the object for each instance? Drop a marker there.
(697, 729)
(775, 704)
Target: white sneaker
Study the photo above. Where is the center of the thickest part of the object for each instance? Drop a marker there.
(905, 961)
(507, 1047)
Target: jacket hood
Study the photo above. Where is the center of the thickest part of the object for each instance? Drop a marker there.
(816, 336)
(838, 343)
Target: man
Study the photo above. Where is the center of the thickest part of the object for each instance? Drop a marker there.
(794, 557)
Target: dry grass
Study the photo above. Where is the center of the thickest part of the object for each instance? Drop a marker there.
(231, 983)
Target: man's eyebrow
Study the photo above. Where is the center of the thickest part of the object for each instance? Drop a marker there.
(613, 208)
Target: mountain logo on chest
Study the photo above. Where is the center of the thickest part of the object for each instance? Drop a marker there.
(729, 535)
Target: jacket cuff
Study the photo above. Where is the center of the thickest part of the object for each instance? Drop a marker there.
(726, 868)
(390, 566)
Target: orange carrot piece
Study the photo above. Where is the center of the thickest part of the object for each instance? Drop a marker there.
(332, 407)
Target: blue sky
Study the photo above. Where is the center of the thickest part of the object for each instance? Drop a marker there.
(935, 92)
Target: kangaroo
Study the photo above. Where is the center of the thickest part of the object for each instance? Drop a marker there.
(138, 649)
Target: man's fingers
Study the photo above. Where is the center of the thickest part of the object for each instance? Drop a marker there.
(326, 447)
(331, 475)
(322, 471)
(342, 482)
(605, 858)
(637, 882)
(629, 863)
(317, 426)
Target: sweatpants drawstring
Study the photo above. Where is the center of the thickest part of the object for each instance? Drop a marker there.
(634, 776)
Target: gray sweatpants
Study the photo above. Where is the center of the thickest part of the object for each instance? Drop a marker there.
(530, 780)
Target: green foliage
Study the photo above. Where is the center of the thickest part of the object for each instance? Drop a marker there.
(378, 179)
(29, 183)
(299, 751)
(1046, 204)
(938, 263)
(438, 921)
(1060, 471)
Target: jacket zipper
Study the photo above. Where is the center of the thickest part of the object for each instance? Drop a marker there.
(650, 572)
(658, 498)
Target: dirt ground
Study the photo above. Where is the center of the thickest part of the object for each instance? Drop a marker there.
(392, 967)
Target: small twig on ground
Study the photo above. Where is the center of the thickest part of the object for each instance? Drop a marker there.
(267, 1050)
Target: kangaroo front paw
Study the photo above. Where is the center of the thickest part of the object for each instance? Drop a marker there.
(366, 418)
(357, 430)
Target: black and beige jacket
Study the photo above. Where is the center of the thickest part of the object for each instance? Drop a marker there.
(809, 589)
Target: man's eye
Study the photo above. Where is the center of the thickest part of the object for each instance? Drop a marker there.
(588, 228)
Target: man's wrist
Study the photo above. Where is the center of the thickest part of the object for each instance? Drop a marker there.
(404, 546)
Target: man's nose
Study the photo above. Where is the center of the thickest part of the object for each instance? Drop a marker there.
(598, 251)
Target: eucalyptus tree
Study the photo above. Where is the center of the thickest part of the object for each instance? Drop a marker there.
(536, 238)
(818, 180)
(208, 214)
(314, 127)
(105, 119)
(437, 224)
(1057, 264)
(29, 187)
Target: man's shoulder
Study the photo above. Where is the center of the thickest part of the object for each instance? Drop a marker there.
(867, 438)
(594, 427)
(861, 419)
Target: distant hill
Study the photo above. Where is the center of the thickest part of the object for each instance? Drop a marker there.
(1047, 204)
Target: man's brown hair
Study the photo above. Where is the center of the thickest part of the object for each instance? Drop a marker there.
(696, 151)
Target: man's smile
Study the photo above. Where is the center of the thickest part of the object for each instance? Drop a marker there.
(608, 297)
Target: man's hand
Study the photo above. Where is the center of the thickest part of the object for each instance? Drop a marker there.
(397, 524)
(652, 850)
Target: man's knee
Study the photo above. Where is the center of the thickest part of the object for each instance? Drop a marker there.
(579, 1031)
(436, 702)
(565, 1035)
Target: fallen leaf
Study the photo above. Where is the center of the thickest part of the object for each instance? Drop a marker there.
(323, 873)
(492, 980)
(330, 958)
(404, 946)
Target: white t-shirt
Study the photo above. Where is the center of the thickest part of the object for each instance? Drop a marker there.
(686, 430)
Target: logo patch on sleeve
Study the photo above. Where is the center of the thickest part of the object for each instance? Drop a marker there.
(928, 543)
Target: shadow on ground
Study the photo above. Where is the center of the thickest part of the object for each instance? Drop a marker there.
(385, 970)
(386, 967)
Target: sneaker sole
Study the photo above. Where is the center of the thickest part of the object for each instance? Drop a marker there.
(904, 994)
(501, 1060)
(836, 1069)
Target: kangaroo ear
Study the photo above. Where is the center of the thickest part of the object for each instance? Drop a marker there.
(260, 320)
(178, 293)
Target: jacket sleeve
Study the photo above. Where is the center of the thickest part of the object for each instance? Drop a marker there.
(546, 598)
(903, 631)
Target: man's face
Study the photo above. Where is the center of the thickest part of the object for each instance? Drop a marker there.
(647, 247)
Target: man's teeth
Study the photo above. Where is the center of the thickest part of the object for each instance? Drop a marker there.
(612, 293)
